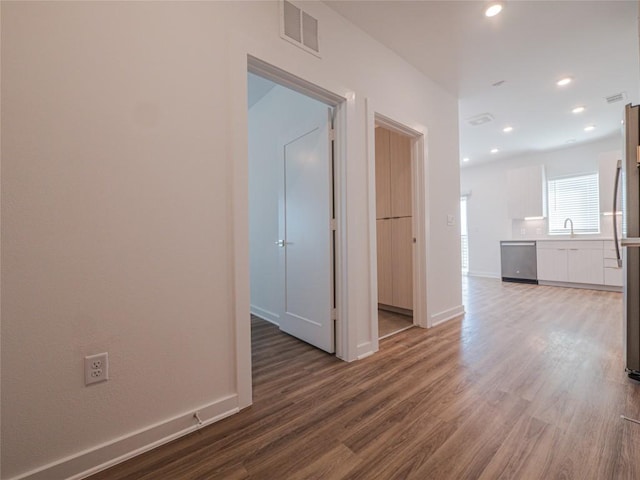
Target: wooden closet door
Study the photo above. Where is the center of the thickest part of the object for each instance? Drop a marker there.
(402, 247)
(385, 262)
(383, 185)
(400, 174)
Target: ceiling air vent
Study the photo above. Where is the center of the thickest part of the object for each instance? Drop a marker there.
(480, 119)
(618, 97)
(299, 28)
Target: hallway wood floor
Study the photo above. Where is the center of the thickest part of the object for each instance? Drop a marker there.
(528, 385)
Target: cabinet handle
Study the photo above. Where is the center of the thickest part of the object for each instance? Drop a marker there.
(615, 209)
(630, 242)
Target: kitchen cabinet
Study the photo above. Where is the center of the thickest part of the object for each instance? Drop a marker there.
(385, 261)
(383, 174)
(402, 271)
(393, 174)
(395, 258)
(612, 272)
(580, 261)
(400, 174)
(585, 265)
(394, 221)
(552, 264)
(526, 189)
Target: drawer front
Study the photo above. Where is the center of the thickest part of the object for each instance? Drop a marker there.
(552, 245)
(613, 277)
(570, 244)
(585, 245)
(610, 253)
(611, 263)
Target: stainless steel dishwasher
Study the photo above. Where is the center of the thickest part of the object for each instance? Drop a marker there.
(519, 261)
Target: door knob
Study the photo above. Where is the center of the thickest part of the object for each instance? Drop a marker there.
(280, 243)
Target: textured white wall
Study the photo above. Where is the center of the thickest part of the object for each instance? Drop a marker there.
(279, 113)
(124, 136)
(488, 220)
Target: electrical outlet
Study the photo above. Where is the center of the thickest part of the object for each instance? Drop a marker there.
(96, 368)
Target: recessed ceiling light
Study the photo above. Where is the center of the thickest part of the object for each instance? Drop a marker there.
(564, 81)
(571, 140)
(465, 159)
(493, 10)
(588, 128)
(507, 129)
(578, 110)
(494, 150)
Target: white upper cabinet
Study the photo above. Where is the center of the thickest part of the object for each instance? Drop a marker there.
(526, 192)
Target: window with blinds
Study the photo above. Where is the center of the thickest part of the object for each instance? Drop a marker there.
(577, 198)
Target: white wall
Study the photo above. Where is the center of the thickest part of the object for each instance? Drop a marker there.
(124, 159)
(279, 113)
(488, 220)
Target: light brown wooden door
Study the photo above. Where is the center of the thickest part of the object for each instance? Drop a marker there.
(385, 263)
(383, 186)
(402, 247)
(400, 174)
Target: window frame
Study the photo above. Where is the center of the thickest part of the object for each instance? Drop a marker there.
(577, 212)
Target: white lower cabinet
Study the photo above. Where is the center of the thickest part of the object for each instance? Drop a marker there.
(552, 264)
(612, 272)
(571, 261)
(585, 265)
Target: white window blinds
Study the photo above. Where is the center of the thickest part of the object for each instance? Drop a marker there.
(577, 198)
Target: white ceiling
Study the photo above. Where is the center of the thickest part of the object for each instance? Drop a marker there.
(529, 46)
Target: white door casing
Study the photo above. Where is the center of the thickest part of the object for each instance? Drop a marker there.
(306, 239)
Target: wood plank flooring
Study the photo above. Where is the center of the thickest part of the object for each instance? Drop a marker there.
(528, 385)
(390, 323)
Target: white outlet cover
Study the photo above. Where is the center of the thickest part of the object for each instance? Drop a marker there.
(96, 368)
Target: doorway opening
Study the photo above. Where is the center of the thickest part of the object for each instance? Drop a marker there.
(293, 209)
(394, 230)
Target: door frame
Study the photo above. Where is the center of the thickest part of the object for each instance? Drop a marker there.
(420, 214)
(344, 114)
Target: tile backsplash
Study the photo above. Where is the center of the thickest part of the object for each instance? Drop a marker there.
(537, 229)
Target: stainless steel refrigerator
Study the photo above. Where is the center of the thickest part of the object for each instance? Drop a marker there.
(628, 177)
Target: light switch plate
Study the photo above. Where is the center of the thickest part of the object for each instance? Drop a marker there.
(451, 220)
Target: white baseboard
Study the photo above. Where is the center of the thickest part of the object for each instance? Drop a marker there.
(483, 274)
(449, 314)
(265, 315)
(101, 457)
(365, 350)
(587, 286)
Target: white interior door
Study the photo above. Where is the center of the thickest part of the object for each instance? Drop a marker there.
(308, 239)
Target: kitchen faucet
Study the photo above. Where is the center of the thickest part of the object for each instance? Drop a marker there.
(565, 224)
